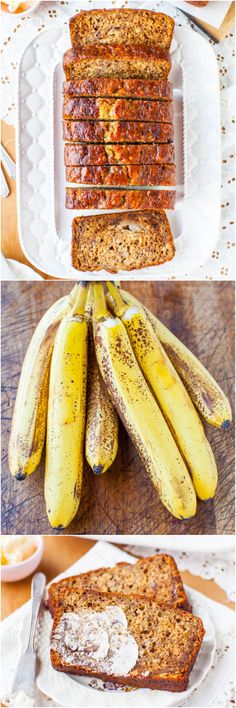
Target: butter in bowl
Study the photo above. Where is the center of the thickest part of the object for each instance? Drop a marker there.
(20, 556)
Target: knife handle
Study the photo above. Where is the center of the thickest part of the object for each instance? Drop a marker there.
(37, 592)
(8, 163)
(4, 186)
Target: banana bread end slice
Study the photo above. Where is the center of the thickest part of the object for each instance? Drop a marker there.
(121, 25)
(116, 242)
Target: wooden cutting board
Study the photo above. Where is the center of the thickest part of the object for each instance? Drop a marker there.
(124, 500)
(217, 33)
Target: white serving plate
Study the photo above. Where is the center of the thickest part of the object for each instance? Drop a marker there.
(68, 690)
(45, 223)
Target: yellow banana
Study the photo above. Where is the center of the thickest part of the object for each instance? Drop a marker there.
(101, 438)
(171, 394)
(30, 413)
(140, 413)
(205, 392)
(101, 435)
(66, 416)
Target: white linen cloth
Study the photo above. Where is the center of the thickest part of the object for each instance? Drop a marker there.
(16, 34)
(217, 688)
(14, 270)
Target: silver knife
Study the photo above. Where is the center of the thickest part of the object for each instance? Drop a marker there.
(4, 186)
(24, 680)
(8, 163)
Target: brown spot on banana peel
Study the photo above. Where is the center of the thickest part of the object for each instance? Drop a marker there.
(198, 381)
(101, 437)
(154, 469)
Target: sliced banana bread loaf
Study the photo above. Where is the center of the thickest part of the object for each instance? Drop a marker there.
(121, 61)
(121, 26)
(123, 175)
(129, 88)
(129, 641)
(117, 109)
(117, 131)
(119, 199)
(118, 154)
(156, 577)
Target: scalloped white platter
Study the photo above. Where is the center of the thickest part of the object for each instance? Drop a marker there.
(45, 223)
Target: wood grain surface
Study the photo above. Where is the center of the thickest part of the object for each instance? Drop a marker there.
(124, 500)
(220, 32)
(10, 242)
(60, 553)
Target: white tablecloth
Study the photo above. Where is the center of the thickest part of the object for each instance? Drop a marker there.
(16, 33)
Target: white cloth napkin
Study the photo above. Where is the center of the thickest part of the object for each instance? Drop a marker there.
(217, 686)
(13, 270)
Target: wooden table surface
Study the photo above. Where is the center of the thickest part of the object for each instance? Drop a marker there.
(60, 553)
(10, 242)
(124, 500)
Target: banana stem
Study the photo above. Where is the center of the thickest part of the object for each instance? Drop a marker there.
(80, 302)
(89, 302)
(116, 301)
(99, 305)
(73, 293)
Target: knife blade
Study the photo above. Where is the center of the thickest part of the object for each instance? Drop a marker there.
(198, 24)
(24, 680)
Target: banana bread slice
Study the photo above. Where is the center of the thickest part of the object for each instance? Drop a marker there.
(117, 109)
(116, 242)
(157, 576)
(134, 642)
(117, 131)
(123, 175)
(118, 154)
(96, 198)
(128, 88)
(121, 26)
(121, 61)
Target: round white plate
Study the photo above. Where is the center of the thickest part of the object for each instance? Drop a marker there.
(68, 691)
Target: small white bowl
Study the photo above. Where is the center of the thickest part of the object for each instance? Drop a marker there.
(14, 15)
(12, 573)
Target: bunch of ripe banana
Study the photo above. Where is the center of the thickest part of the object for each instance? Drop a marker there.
(93, 356)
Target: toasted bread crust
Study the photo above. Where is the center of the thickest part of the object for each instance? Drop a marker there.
(121, 25)
(128, 88)
(156, 577)
(119, 199)
(118, 60)
(117, 132)
(117, 109)
(123, 175)
(166, 672)
(118, 154)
